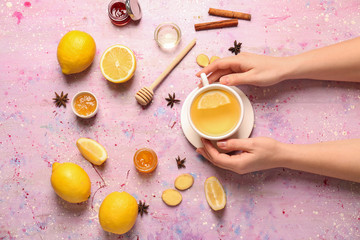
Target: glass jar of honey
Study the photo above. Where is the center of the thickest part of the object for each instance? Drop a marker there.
(145, 160)
(121, 12)
(84, 104)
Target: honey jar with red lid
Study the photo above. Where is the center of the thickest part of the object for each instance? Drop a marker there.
(121, 12)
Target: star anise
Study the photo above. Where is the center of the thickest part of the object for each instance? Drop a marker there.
(60, 100)
(142, 208)
(236, 48)
(180, 162)
(172, 100)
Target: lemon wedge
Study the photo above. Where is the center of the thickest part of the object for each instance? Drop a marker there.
(213, 99)
(118, 64)
(215, 194)
(92, 151)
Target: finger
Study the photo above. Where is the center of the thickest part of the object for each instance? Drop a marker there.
(244, 144)
(218, 159)
(216, 75)
(220, 64)
(203, 153)
(236, 79)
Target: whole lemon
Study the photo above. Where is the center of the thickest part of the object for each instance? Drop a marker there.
(118, 212)
(70, 182)
(75, 52)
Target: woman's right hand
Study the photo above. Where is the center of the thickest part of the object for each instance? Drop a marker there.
(247, 68)
(256, 154)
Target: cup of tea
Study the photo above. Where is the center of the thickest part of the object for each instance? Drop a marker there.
(216, 111)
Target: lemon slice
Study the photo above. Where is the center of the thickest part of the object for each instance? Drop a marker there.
(92, 151)
(118, 64)
(213, 99)
(215, 194)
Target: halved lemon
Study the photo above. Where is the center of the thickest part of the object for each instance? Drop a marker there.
(215, 194)
(118, 63)
(92, 151)
(213, 99)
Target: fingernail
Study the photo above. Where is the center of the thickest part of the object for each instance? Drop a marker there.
(224, 80)
(221, 143)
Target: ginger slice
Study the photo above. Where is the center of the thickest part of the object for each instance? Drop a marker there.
(171, 197)
(202, 60)
(184, 181)
(213, 58)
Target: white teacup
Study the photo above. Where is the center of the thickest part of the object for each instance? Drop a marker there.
(236, 101)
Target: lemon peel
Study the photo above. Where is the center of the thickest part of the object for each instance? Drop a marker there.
(75, 52)
(118, 212)
(70, 182)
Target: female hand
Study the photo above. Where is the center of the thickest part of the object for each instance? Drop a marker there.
(247, 68)
(257, 154)
(338, 159)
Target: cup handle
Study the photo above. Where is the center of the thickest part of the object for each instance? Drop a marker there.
(204, 79)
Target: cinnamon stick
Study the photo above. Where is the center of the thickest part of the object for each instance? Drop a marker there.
(229, 14)
(217, 24)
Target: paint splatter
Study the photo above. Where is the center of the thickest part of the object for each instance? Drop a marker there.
(18, 15)
(282, 18)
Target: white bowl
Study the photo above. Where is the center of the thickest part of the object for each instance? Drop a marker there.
(82, 116)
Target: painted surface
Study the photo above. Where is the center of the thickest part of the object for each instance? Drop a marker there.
(274, 204)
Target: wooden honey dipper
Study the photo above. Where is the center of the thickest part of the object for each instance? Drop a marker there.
(145, 94)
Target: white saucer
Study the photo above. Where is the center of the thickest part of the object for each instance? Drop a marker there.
(245, 128)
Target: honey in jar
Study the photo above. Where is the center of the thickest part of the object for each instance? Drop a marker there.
(145, 160)
(121, 12)
(85, 104)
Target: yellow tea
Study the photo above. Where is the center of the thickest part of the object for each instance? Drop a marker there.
(215, 112)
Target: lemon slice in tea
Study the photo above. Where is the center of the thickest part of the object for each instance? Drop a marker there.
(213, 99)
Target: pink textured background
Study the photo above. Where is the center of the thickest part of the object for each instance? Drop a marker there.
(274, 204)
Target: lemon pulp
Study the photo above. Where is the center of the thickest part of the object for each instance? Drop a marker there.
(92, 151)
(118, 64)
(215, 194)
